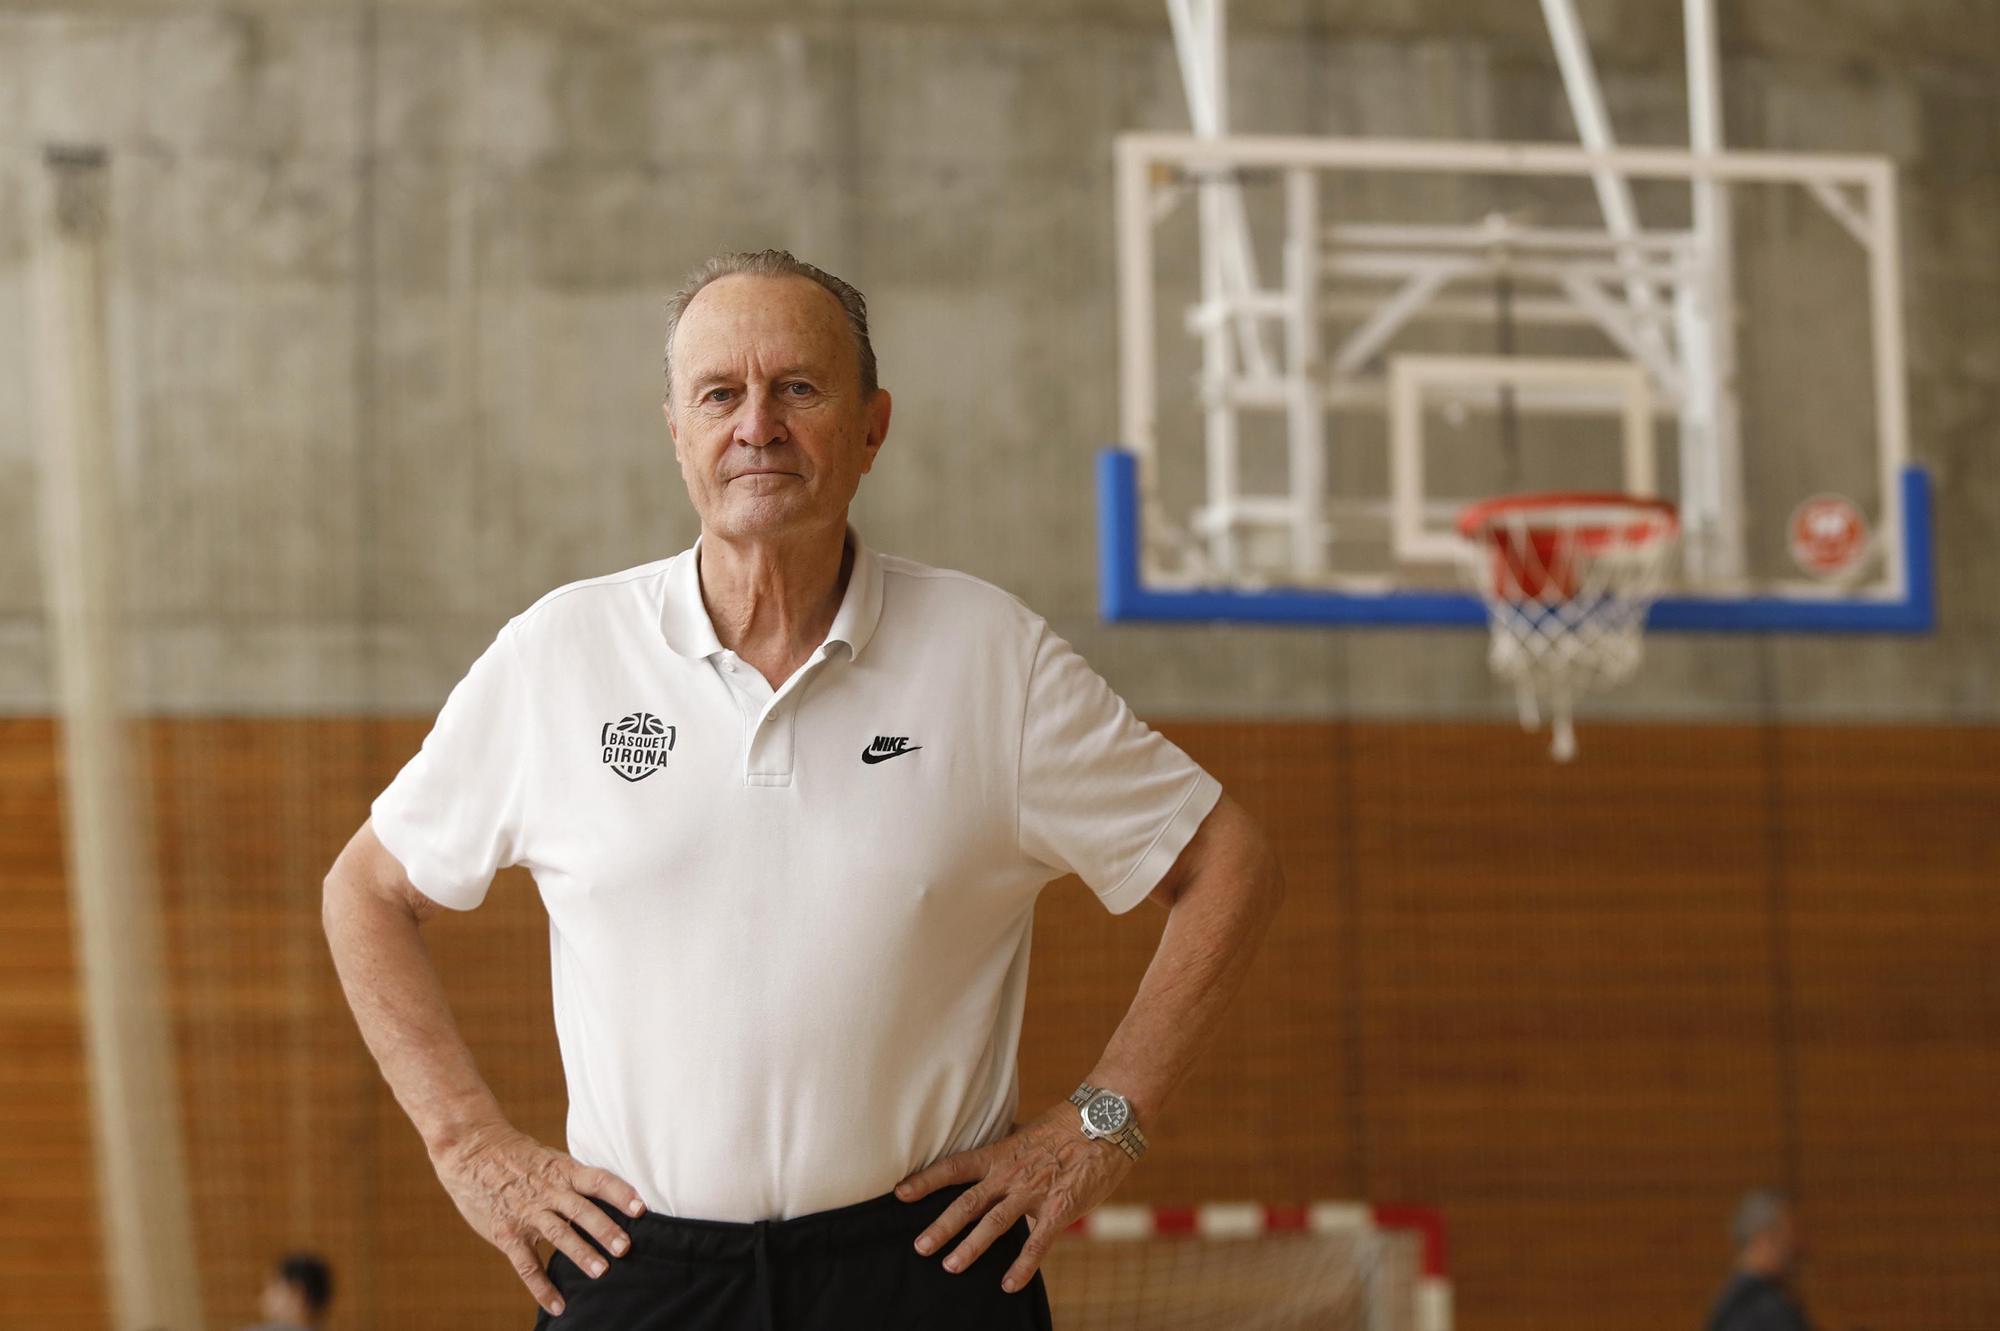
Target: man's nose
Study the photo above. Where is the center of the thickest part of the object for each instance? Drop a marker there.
(762, 420)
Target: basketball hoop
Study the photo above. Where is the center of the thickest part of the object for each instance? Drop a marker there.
(1567, 580)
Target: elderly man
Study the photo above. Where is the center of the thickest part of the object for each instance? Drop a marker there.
(1758, 1296)
(789, 803)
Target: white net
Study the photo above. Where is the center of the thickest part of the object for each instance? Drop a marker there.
(1567, 582)
(1361, 1279)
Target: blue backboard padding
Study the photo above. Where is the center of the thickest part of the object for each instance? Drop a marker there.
(1125, 598)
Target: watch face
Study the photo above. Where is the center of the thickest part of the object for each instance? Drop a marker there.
(1107, 1113)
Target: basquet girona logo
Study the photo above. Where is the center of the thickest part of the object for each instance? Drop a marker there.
(636, 746)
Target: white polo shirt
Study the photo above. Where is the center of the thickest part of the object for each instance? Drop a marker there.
(788, 929)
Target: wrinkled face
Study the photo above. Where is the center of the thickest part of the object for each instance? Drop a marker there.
(770, 426)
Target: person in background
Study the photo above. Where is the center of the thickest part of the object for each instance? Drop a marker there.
(1758, 1296)
(297, 1295)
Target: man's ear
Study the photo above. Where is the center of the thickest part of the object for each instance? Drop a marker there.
(673, 429)
(879, 408)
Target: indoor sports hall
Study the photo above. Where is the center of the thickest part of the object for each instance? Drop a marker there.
(1541, 456)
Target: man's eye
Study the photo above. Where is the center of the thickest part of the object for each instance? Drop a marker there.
(798, 388)
(716, 395)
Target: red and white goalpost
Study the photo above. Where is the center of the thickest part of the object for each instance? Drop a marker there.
(1247, 1266)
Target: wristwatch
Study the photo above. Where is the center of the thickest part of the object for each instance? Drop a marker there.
(1107, 1116)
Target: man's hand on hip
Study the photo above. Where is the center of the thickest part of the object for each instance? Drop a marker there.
(513, 1190)
(1047, 1171)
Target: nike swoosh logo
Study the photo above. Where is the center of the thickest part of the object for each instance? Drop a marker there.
(871, 757)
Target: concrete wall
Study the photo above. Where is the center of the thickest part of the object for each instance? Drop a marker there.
(389, 282)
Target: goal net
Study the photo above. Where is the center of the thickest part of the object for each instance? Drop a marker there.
(1331, 1266)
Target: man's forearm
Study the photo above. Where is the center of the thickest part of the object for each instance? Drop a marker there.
(400, 1006)
(1214, 927)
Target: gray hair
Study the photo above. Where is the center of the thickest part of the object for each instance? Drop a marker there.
(772, 263)
(1757, 1213)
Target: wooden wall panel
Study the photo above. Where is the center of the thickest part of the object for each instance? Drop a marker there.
(1567, 1013)
(1578, 1008)
(1891, 896)
(50, 1269)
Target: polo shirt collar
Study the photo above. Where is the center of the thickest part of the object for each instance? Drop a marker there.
(690, 633)
(684, 618)
(861, 605)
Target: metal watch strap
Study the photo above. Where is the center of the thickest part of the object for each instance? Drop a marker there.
(1130, 1140)
(1127, 1139)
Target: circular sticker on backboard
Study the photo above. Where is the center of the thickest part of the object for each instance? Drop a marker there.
(1829, 535)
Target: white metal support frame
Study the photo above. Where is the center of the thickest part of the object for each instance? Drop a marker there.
(1635, 336)
(1593, 124)
(1201, 42)
(1199, 28)
(1713, 534)
(1138, 381)
(1394, 314)
(1228, 319)
(1305, 408)
(1892, 409)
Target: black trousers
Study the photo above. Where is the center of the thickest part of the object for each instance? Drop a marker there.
(855, 1267)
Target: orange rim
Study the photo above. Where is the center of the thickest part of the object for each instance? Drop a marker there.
(1650, 517)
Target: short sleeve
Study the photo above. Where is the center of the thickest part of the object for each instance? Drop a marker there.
(1102, 794)
(452, 816)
